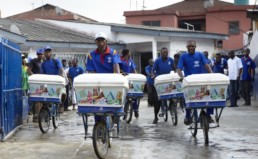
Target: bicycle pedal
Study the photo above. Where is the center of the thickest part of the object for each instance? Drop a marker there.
(160, 115)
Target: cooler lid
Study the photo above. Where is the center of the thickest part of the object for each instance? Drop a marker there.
(171, 77)
(49, 79)
(205, 79)
(136, 77)
(101, 79)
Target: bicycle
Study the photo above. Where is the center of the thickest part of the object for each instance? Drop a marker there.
(48, 112)
(172, 108)
(103, 98)
(135, 93)
(102, 129)
(201, 121)
(128, 108)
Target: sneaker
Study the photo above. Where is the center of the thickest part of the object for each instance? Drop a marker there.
(188, 121)
(245, 104)
(155, 121)
(210, 119)
(35, 119)
(136, 114)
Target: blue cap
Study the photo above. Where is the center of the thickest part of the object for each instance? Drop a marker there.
(47, 48)
(40, 51)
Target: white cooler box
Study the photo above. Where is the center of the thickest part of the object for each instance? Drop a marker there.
(100, 92)
(136, 85)
(205, 90)
(46, 87)
(168, 86)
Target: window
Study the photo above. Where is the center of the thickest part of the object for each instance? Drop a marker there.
(233, 28)
(151, 23)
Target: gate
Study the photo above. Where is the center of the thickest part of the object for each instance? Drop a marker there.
(10, 88)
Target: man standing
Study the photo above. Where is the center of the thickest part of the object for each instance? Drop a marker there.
(162, 65)
(150, 83)
(35, 68)
(219, 64)
(234, 72)
(192, 62)
(247, 76)
(73, 72)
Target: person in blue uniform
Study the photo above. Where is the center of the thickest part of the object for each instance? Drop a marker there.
(51, 66)
(219, 64)
(192, 62)
(127, 66)
(150, 83)
(162, 65)
(73, 72)
(103, 59)
(247, 76)
(206, 55)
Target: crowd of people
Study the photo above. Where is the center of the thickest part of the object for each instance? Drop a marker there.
(107, 60)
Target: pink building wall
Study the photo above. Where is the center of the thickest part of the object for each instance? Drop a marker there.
(165, 20)
(217, 22)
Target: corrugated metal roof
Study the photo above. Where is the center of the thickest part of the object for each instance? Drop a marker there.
(193, 6)
(42, 32)
(156, 31)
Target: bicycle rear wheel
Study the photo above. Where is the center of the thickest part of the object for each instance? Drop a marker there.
(100, 139)
(173, 112)
(55, 116)
(44, 119)
(128, 111)
(205, 127)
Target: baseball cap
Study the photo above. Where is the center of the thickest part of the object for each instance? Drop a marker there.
(100, 35)
(40, 51)
(47, 48)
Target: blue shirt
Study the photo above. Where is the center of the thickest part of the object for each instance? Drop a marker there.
(161, 67)
(204, 70)
(148, 70)
(192, 64)
(75, 71)
(248, 64)
(102, 63)
(127, 66)
(218, 67)
(51, 67)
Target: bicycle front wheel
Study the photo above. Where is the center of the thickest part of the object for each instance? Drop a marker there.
(100, 139)
(165, 111)
(128, 111)
(173, 112)
(205, 127)
(194, 125)
(55, 116)
(44, 119)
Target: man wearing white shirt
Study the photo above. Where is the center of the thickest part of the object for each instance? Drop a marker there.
(234, 72)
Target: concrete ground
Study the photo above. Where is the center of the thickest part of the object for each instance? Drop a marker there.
(237, 137)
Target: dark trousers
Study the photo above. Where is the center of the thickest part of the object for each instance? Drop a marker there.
(151, 89)
(246, 90)
(233, 92)
(156, 103)
(136, 103)
(67, 97)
